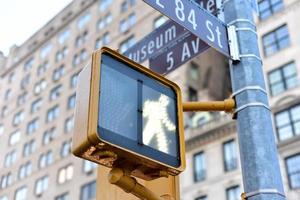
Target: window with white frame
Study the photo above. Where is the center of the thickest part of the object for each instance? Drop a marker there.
(104, 22)
(41, 185)
(6, 180)
(71, 101)
(22, 98)
(58, 73)
(61, 54)
(18, 118)
(21, 193)
(65, 149)
(126, 44)
(36, 105)
(1, 129)
(25, 170)
(46, 159)
(28, 64)
(283, 78)
(127, 23)
(14, 138)
(45, 51)
(29, 148)
(10, 158)
(42, 68)
(104, 4)
(88, 166)
(63, 36)
(49, 135)
(52, 114)
(69, 124)
(65, 174)
(32, 126)
(64, 196)
(88, 191)
(73, 81)
(83, 20)
(233, 193)
(40, 86)
(103, 40)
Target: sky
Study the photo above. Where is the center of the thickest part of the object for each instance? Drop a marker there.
(20, 19)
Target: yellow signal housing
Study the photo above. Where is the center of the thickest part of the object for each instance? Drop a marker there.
(138, 128)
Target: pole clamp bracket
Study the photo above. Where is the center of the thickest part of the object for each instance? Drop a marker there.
(245, 196)
(248, 88)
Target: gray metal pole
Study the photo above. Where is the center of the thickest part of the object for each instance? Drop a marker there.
(258, 152)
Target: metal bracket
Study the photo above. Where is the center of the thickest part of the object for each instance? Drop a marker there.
(261, 191)
(253, 104)
(233, 43)
(241, 21)
(251, 56)
(248, 88)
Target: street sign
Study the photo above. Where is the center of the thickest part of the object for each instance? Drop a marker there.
(163, 36)
(155, 41)
(186, 48)
(198, 21)
(128, 115)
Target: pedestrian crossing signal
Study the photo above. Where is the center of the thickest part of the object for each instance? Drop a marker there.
(128, 116)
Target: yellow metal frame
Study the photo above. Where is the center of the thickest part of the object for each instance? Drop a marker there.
(227, 105)
(87, 144)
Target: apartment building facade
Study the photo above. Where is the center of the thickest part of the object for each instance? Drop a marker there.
(37, 99)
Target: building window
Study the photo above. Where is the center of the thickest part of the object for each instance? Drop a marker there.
(49, 135)
(41, 185)
(88, 166)
(293, 171)
(80, 39)
(126, 24)
(233, 193)
(104, 4)
(73, 81)
(126, 44)
(193, 94)
(21, 193)
(69, 124)
(126, 4)
(58, 73)
(199, 167)
(268, 7)
(18, 118)
(64, 196)
(194, 71)
(46, 50)
(201, 198)
(104, 22)
(61, 54)
(79, 58)
(283, 78)
(287, 123)
(71, 101)
(88, 191)
(3, 197)
(25, 170)
(29, 148)
(11, 77)
(102, 41)
(65, 149)
(40, 86)
(6, 180)
(63, 37)
(52, 114)
(10, 158)
(25, 81)
(45, 159)
(55, 93)
(1, 129)
(36, 105)
(28, 64)
(32, 126)
(42, 68)
(4, 111)
(65, 174)
(159, 21)
(276, 40)
(83, 20)
(229, 155)
(22, 98)
(14, 138)
(7, 94)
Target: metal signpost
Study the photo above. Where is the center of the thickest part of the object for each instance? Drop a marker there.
(259, 161)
